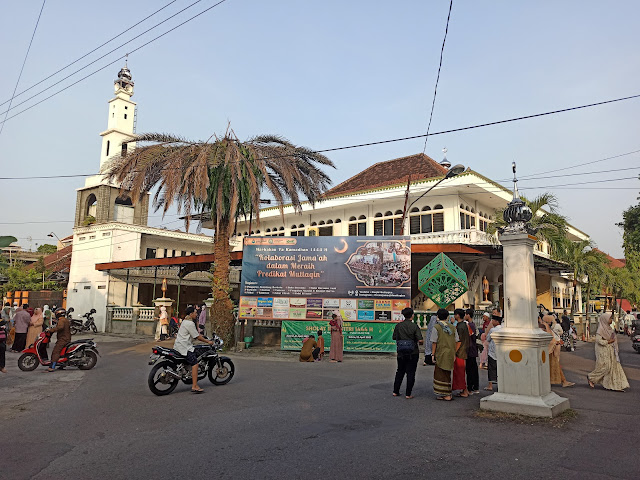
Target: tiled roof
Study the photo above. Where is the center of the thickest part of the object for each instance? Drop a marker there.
(390, 173)
(59, 261)
(613, 262)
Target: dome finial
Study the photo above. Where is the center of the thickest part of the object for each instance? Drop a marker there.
(445, 163)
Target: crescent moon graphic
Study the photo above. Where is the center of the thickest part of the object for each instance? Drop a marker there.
(343, 249)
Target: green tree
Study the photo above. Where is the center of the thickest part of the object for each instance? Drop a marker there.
(631, 237)
(19, 277)
(586, 263)
(550, 224)
(47, 248)
(226, 178)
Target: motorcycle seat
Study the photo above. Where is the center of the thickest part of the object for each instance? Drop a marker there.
(86, 340)
(171, 351)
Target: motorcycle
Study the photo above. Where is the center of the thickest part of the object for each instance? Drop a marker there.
(169, 367)
(78, 326)
(80, 353)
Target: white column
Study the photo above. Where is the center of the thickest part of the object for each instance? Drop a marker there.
(523, 365)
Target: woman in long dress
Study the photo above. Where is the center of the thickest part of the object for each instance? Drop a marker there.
(163, 324)
(608, 371)
(35, 326)
(337, 345)
(555, 371)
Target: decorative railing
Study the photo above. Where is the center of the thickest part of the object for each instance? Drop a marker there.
(468, 237)
(121, 313)
(146, 314)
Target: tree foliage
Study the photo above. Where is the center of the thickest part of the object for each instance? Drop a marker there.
(19, 277)
(224, 177)
(47, 248)
(631, 236)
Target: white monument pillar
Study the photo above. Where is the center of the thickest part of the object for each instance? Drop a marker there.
(524, 384)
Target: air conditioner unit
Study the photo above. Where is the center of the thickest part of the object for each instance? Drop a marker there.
(312, 232)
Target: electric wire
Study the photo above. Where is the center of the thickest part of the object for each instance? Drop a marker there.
(22, 68)
(380, 142)
(107, 65)
(435, 90)
(89, 53)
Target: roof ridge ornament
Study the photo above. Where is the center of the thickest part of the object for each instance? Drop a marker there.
(517, 213)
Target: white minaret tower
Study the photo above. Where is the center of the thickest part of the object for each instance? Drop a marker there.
(119, 134)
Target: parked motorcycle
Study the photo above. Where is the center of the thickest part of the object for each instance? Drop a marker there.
(89, 325)
(80, 353)
(169, 367)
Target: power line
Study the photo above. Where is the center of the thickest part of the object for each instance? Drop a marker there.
(380, 142)
(577, 174)
(100, 58)
(109, 64)
(22, 68)
(435, 90)
(89, 53)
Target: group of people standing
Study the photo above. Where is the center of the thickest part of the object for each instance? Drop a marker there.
(313, 351)
(19, 327)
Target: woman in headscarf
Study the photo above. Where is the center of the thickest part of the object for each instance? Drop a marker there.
(337, 340)
(46, 313)
(555, 371)
(608, 370)
(35, 326)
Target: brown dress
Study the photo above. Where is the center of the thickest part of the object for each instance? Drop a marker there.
(337, 345)
(35, 329)
(306, 354)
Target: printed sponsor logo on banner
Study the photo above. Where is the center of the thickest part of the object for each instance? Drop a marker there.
(299, 302)
(313, 314)
(279, 312)
(265, 302)
(383, 305)
(383, 316)
(365, 304)
(397, 316)
(348, 304)
(248, 302)
(264, 312)
(298, 313)
(331, 303)
(400, 304)
(314, 303)
(281, 302)
(349, 314)
(367, 315)
(247, 312)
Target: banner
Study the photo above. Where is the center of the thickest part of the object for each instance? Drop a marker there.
(310, 278)
(358, 336)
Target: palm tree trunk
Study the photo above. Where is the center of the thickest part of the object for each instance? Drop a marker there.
(222, 308)
(588, 321)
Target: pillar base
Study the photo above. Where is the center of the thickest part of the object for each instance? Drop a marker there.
(550, 405)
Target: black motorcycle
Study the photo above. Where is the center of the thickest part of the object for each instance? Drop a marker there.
(77, 325)
(169, 367)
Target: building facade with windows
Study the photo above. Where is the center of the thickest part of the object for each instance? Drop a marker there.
(453, 218)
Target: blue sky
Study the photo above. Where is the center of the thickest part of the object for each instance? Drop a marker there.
(327, 74)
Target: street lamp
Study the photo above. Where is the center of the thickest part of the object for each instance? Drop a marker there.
(52, 234)
(453, 171)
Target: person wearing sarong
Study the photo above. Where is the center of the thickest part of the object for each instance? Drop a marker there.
(443, 351)
(459, 383)
(566, 331)
(336, 347)
(35, 326)
(555, 371)
(63, 333)
(308, 347)
(608, 371)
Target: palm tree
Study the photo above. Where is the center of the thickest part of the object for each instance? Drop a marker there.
(583, 259)
(225, 178)
(551, 226)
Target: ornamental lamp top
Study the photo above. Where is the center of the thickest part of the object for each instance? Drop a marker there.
(517, 213)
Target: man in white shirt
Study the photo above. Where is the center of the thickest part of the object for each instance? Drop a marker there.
(492, 357)
(184, 345)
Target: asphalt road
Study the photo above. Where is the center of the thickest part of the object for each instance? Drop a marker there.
(281, 419)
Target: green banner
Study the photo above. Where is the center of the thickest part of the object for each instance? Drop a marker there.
(358, 336)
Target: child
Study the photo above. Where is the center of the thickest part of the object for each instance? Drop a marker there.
(320, 349)
(485, 351)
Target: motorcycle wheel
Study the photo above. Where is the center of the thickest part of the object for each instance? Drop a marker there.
(156, 376)
(94, 329)
(28, 362)
(91, 360)
(74, 330)
(223, 374)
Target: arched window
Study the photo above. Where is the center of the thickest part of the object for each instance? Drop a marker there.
(483, 221)
(390, 224)
(281, 234)
(123, 209)
(338, 220)
(297, 231)
(357, 227)
(124, 200)
(92, 205)
(438, 218)
(268, 230)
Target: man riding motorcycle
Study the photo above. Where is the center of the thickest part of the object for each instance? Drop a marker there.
(63, 330)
